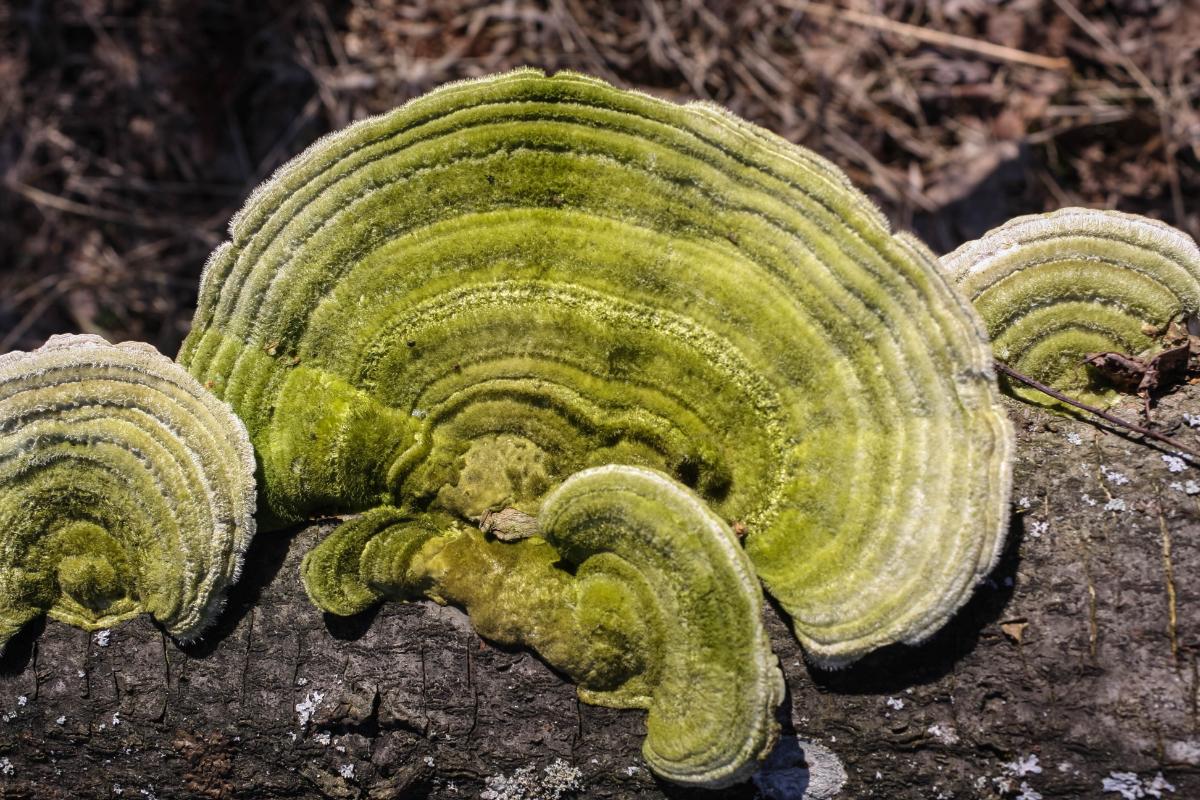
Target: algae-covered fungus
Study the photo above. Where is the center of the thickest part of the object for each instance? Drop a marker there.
(125, 487)
(632, 587)
(455, 306)
(1054, 288)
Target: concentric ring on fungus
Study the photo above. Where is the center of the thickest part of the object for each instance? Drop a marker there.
(125, 487)
(457, 305)
(1054, 288)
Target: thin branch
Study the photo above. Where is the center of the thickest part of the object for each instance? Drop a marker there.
(1101, 38)
(930, 36)
(1101, 413)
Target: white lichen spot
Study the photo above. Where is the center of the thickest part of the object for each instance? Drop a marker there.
(346, 771)
(61, 721)
(6, 767)
(1087, 498)
(323, 738)
(895, 703)
(1159, 785)
(1028, 793)
(1131, 787)
(1114, 477)
(22, 701)
(428, 761)
(1074, 438)
(1038, 527)
(301, 681)
(943, 733)
(101, 640)
(116, 718)
(308, 706)
(524, 783)
(420, 413)
(1024, 503)
(1174, 463)
(631, 771)
(1115, 504)
(1192, 420)
(561, 777)
(1026, 765)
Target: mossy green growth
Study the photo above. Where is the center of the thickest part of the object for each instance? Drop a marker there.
(537, 275)
(1054, 288)
(632, 587)
(125, 487)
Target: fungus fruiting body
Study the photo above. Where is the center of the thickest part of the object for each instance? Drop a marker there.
(455, 306)
(125, 487)
(1056, 288)
(632, 586)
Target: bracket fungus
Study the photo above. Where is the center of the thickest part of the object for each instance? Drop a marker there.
(455, 306)
(1054, 288)
(125, 487)
(632, 586)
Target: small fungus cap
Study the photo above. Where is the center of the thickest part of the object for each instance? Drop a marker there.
(125, 487)
(1054, 288)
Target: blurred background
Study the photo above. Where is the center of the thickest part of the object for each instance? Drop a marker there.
(130, 132)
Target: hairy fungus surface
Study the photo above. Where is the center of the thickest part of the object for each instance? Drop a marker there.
(1054, 288)
(632, 586)
(454, 307)
(125, 487)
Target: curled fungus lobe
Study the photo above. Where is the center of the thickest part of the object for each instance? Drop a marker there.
(659, 609)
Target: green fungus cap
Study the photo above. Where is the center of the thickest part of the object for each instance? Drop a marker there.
(465, 301)
(1055, 288)
(125, 487)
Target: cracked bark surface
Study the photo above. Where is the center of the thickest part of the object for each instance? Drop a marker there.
(1081, 650)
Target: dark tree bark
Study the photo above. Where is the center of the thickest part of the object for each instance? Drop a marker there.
(1080, 650)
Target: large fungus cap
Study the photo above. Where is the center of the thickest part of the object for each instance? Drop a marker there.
(459, 304)
(125, 487)
(1054, 288)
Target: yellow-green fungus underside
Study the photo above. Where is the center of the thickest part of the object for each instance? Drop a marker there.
(455, 306)
(1054, 288)
(633, 587)
(125, 487)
